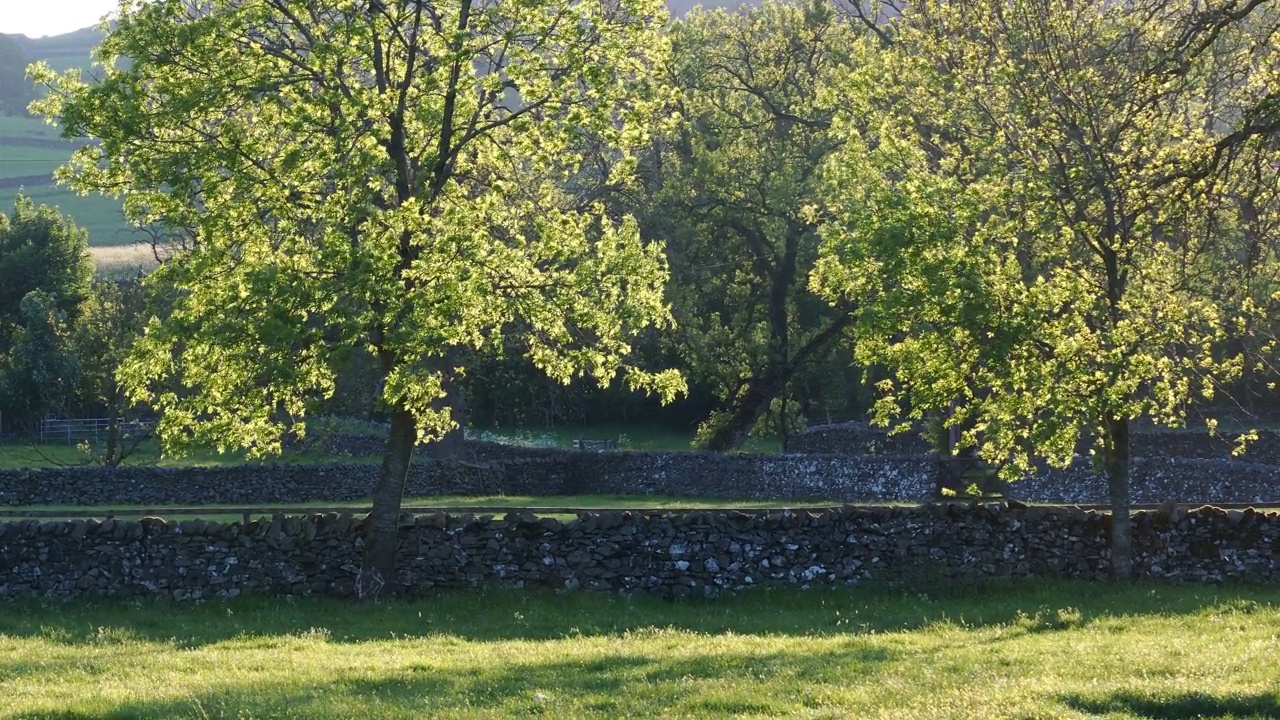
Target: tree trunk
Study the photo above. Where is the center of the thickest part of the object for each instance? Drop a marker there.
(746, 411)
(382, 528)
(1117, 469)
(112, 456)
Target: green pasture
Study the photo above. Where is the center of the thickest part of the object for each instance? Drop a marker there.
(16, 454)
(11, 125)
(629, 436)
(16, 160)
(495, 504)
(1044, 650)
(55, 454)
(99, 215)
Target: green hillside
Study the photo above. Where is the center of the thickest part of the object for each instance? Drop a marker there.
(64, 52)
(31, 150)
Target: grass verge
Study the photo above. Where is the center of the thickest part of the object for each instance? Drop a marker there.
(61, 454)
(495, 502)
(1029, 650)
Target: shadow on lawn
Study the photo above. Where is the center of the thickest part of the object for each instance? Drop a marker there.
(527, 615)
(701, 685)
(1177, 707)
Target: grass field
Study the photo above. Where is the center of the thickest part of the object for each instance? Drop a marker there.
(495, 503)
(99, 215)
(633, 436)
(35, 455)
(1024, 651)
(11, 125)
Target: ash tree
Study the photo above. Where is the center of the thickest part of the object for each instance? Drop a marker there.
(360, 174)
(734, 189)
(1033, 206)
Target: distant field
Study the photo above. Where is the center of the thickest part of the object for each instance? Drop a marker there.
(26, 127)
(27, 168)
(122, 261)
(66, 51)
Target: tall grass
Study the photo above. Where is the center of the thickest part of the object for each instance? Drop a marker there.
(122, 261)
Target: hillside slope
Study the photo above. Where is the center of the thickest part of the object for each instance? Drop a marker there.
(30, 149)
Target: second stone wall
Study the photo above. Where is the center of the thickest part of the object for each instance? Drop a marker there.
(861, 438)
(555, 472)
(499, 470)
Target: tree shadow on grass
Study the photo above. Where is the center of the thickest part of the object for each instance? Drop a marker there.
(622, 683)
(1180, 706)
(491, 615)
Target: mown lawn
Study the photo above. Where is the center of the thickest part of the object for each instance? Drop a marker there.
(1024, 651)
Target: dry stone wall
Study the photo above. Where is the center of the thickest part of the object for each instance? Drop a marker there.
(232, 485)
(672, 554)
(510, 472)
(1265, 450)
(860, 438)
(1156, 480)
(826, 477)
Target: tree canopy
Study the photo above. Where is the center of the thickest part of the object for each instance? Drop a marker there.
(386, 176)
(40, 249)
(1031, 201)
(45, 264)
(734, 190)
